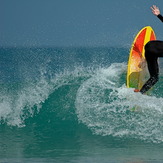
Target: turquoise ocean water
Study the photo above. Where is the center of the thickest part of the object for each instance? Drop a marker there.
(71, 105)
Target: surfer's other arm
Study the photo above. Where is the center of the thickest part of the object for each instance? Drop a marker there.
(156, 11)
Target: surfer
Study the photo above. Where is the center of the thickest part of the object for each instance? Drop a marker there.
(153, 50)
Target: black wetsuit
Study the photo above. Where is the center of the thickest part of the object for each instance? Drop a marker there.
(153, 50)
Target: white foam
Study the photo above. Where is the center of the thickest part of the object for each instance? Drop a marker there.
(16, 107)
(104, 105)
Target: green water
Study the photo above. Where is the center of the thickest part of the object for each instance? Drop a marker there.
(65, 111)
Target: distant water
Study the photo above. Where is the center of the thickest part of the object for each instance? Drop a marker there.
(71, 105)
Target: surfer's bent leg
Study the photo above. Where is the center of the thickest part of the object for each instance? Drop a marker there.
(153, 50)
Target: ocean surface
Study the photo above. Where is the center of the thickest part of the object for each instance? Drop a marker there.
(71, 105)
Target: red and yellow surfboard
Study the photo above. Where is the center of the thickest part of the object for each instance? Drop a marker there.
(137, 72)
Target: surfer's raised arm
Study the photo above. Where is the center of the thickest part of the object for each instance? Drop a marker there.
(156, 11)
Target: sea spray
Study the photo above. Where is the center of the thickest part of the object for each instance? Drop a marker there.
(105, 105)
(18, 105)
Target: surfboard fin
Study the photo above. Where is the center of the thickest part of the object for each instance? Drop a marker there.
(136, 90)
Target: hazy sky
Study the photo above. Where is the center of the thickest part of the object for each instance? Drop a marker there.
(75, 22)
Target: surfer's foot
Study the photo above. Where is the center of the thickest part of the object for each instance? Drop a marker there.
(136, 90)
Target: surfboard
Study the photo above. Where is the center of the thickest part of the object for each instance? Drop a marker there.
(137, 72)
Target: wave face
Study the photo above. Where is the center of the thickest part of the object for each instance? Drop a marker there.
(63, 87)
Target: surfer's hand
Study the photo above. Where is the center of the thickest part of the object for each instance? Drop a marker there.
(155, 10)
(136, 90)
